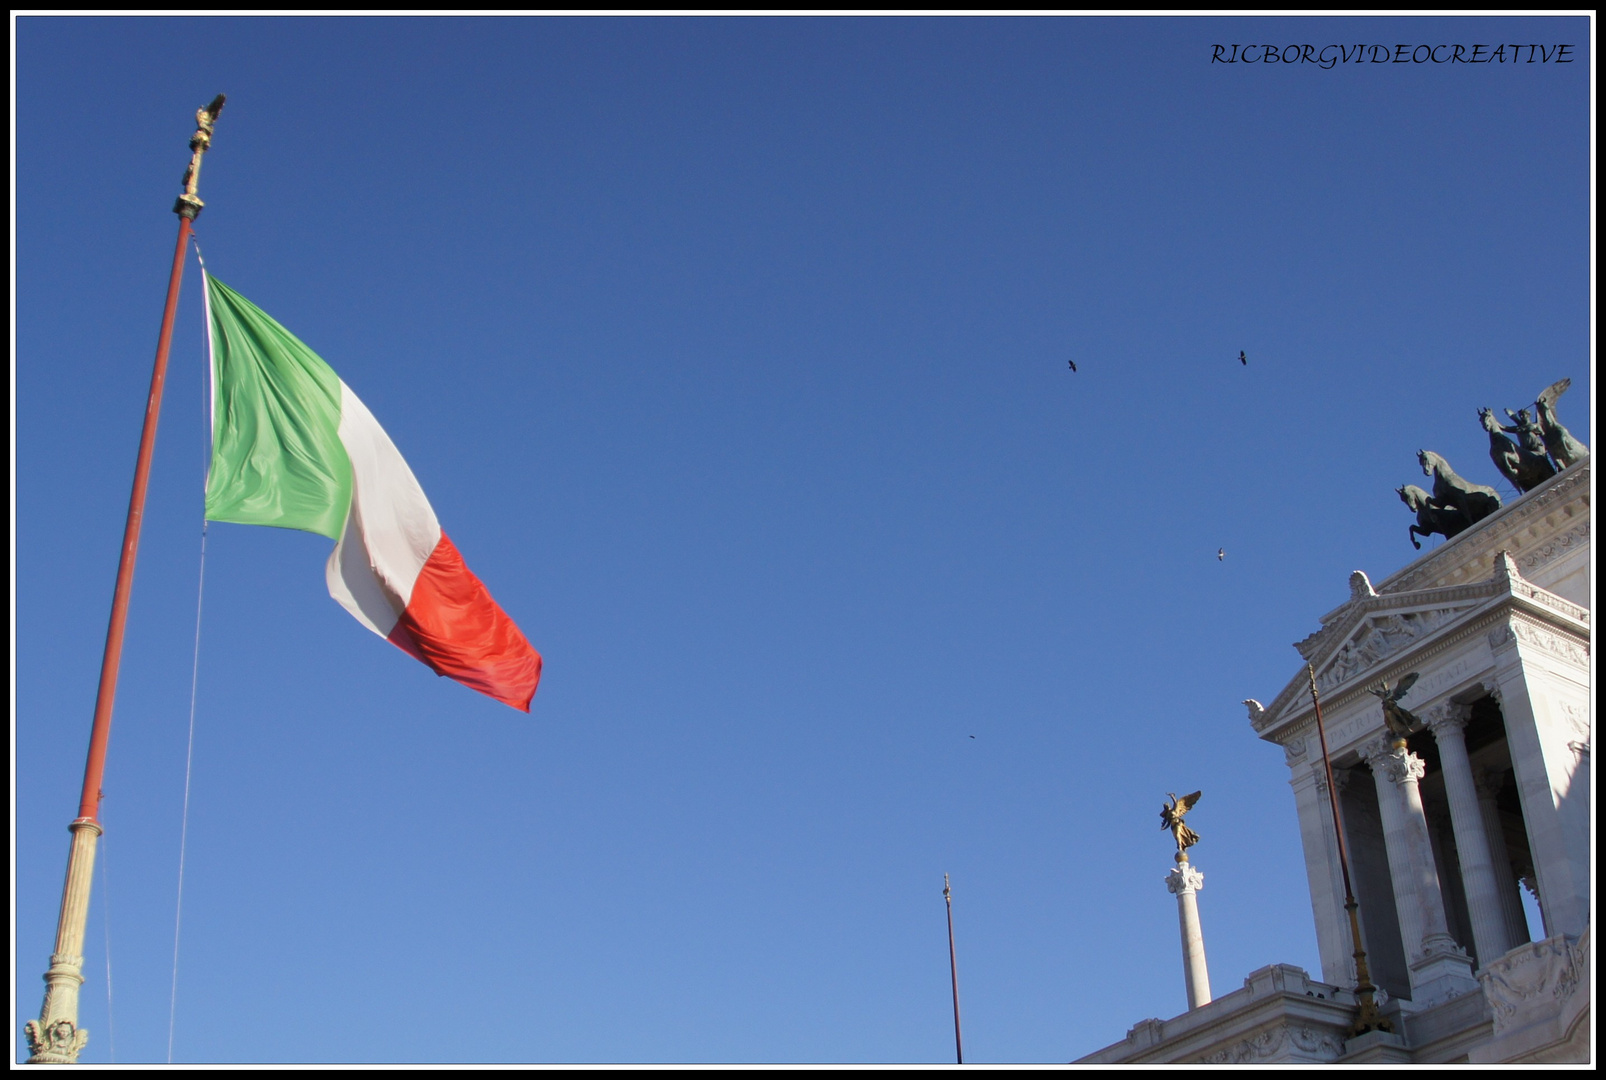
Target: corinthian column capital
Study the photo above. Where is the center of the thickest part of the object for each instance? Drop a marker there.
(1405, 767)
(1183, 878)
(1399, 765)
(1449, 716)
(1375, 752)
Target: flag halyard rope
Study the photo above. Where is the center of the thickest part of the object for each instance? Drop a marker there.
(195, 667)
(106, 925)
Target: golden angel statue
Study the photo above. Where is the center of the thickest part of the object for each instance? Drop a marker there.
(1171, 818)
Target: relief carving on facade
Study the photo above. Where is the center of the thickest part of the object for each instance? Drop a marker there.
(1532, 980)
(1576, 537)
(1264, 1046)
(1383, 638)
(1573, 716)
(1554, 644)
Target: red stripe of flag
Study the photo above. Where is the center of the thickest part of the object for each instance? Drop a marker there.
(453, 626)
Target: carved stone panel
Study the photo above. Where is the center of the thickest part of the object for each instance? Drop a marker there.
(1284, 1042)
(1532, 982)
(1381, 638)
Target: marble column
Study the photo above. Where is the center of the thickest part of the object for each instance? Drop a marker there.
(1438, 968)
(1489, 782)
(1395, 839)
(1478, 879)
(1322, 870)
(1542, 679)
(1184, 881)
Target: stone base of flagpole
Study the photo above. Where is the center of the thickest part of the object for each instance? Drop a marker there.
(1185, 882)
(55, 1038)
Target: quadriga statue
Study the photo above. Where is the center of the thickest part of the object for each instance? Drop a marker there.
(1446, 521)
(1517, 462)
(1474, 500)
(1559, 442)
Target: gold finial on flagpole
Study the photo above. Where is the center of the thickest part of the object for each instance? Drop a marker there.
(189, 204)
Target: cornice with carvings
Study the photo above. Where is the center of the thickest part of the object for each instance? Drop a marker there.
(1283, 721)
(1555, 548)
(1542, 636)
(1272, 1044)
(1339, 623)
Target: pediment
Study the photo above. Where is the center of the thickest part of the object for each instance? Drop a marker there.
(1374, 637)
(1377, 631)
(1370, 633)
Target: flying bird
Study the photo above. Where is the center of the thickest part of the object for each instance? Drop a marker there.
(1073, 364)
(973, 736)
(1221, 554)
(1242, 359)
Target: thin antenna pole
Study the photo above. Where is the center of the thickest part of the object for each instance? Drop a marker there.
(55, 1037)
(1368, 1018)
(953, 970)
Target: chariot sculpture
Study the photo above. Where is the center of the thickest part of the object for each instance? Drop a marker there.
(1543, 447)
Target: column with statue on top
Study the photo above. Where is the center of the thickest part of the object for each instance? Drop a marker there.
(1185, 881)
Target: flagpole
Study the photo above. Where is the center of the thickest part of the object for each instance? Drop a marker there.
(55, 1037)
(1367, 1016)
(953, 969)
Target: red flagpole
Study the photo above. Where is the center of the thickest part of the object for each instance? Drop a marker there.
(95, 767)
(55, 1037)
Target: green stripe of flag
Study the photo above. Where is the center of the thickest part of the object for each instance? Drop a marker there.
(277, 458)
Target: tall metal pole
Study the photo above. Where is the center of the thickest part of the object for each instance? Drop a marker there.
(1367, 1018)
(55, 1037)
(953, 970)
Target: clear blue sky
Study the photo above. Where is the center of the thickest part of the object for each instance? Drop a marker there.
(733, 355)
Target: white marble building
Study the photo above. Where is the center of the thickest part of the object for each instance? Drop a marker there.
(1490, 798)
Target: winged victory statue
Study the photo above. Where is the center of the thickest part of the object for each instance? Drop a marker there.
(1399, 720)
(1171, 818)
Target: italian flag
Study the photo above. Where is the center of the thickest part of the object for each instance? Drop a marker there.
(292, 446)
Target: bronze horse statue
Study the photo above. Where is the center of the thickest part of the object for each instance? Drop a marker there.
(1474, 500)
(1447, 521)
(1559, 442)
(1525, 468)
